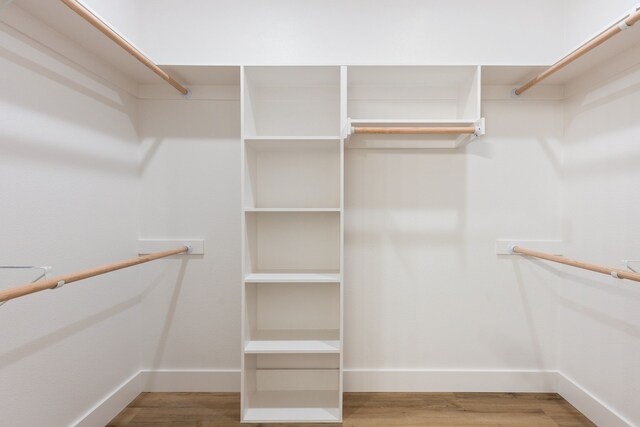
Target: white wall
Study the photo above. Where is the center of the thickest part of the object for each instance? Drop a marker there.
(584, 19)
(338, 32)
(424, 288)
(190, 169)
(69, 199)
(599, 317)
(425, 291)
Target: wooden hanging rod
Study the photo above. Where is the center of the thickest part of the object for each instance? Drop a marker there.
(59, 281)
(85, 13)
(434, 130)
(617, 28)
(617, 273)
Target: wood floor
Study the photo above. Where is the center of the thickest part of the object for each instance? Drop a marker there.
(366, 409)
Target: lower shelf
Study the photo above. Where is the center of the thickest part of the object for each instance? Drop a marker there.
(294, 341)
(293, 406)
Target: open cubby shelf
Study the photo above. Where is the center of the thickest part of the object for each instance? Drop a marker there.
(292, 317)
(306, 390)
(289, 174)
(289, 101)
(303, 242)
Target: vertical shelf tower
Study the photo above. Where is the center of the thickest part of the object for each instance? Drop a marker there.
(292, 243)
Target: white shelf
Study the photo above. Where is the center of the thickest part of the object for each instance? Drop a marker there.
(410, 122)
(294, 341)
(289, 347)
(265, 415)
(293, 406)
(292, 209)
(292, 278)
(293, 138)
(414, 92)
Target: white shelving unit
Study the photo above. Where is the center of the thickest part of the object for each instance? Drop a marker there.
(292, 241)
(413, 96)
(294, 124)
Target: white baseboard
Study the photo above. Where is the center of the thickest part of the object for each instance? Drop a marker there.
(592, 407)
(427, 380)
(111, 406)
(367, 380)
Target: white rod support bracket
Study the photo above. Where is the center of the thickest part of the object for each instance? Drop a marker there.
(623, 24)
(506, 246)
(46, 269)
(615, 275)
(147, 246)
(480, 127)
(514, 93)
(188, 94)
(348, 129)
(59, 285)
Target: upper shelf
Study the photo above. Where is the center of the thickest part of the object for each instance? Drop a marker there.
(383, 102)
(291, 101)
(391, 93)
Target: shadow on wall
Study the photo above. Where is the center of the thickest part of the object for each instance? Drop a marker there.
(50, 151)
(405, 232)
(622, 288)
(180, 121)
(530, 316)
(37, 345)
(32, 58)
(617, 87)
(161, 346)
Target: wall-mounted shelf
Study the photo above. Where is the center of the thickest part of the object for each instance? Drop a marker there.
(304, 412)
(401, 97)
(283, 341)
(289, 277)
(292, 209)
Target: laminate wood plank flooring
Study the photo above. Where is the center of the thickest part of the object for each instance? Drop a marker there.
(365, 409)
